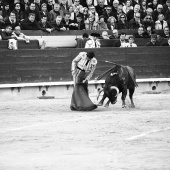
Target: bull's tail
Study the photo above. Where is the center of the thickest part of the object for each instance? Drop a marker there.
(132, 75)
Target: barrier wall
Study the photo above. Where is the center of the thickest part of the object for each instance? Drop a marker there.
(31, 66)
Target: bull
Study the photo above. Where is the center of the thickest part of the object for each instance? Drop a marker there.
(119, 79)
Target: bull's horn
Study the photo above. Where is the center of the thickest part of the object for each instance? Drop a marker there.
(114, 87)
(112, 74)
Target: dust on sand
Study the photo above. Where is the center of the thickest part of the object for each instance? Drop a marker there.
(47, 135)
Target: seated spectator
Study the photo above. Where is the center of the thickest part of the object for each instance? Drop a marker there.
(50, 5)
(93, 42)
(143, 8)
(44, 25)
(166, 32)
(2, 23)
(71, 11)
(67, 23)
(90, 23)
(77, 5)
(64, 6)
(100, 8)
(121, 42)
(122, 23)
(45, 12)
(58, 24)
(6, 11)
(127, 7)
(119, 12)
(136, 22)
(148, 21)
(115, 34)
(84, 14)
(160, 39)
(153, 41)
(12, 20)
(153, 4)
(168, 43)
(160, 23)
(18, 12)
(56, 12)
(108, 13)
(92, 11)
(111, 23)
(140, 33)
(158, 11)
(79, 24)
(30, 23)
(19, 35)
(149, 12)
(130, 15)
(32, 9)
(166, 6)
(149, 32)
(105, 35)
(115, 6)
(102, 24)
(6, 34)
(37, 4)
(130, 43)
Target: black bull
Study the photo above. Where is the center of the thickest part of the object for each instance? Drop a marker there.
(119, 79)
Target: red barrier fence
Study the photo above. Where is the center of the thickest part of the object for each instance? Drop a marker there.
(30, 66)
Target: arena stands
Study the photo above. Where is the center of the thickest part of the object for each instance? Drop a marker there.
(70, 18)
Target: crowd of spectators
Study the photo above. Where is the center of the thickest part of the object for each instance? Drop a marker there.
(61, 15)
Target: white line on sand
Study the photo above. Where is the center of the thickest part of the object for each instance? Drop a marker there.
(48, 123)
(147, 133)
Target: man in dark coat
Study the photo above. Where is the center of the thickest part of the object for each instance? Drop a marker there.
(12, 21)
(30, 23)
(122, 40)
(44, 25)
(153, 41)
(32, 9)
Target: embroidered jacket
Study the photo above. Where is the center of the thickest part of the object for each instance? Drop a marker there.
(80, 62)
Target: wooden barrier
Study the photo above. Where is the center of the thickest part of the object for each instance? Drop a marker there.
(32, 66)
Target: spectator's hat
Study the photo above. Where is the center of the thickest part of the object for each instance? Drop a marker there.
(153, 36)
(95, 34)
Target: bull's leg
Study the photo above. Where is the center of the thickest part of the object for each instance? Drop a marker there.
(131, 91)
(124, 93)
(107, 104)
(102, 100)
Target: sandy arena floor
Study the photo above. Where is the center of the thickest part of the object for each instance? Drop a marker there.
(46, 135)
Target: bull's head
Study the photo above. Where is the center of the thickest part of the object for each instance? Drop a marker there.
(113, 93)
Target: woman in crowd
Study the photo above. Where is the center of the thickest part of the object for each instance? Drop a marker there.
(45, 12)
(102, 24)
(148, 21)
(72, 13)
(122, 23)
(6, 11)
(128, 6)
(111, 23)
(18, 12)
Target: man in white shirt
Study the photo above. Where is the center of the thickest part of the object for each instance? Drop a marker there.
(93, 42)
(130, 43)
